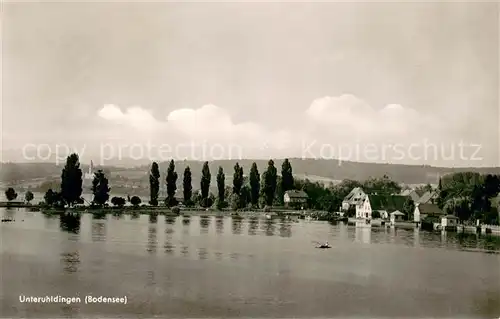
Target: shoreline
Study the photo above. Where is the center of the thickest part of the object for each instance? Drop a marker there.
(157, 210)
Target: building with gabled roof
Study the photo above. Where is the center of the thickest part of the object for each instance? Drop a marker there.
(428, 197)
(426, 210)
(383, 204)
(413, 194)
(295, 198)
(354, 198)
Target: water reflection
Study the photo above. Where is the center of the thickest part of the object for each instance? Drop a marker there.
(202, 253)
(152, 239)
(70, 261)
(9, 213)
(416, 237)
(98, 230)
(269, 227)
(150, 282)
(153, 218)
(169, 247)
(236, 225)
(204, 224)
(285, 229)
(99, 215)
(118, 215)
(292, 273)
(444, 236)
(363, 235)
(69, 223)
(170, 220)
(253, 225)
(489, 242)
(234, 256)
(219, 225)
(134, 215)
(186, 222)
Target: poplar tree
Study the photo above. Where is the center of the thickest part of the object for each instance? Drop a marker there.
(154, 184)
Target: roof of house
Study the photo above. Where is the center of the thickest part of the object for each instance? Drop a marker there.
(397, 213)
(296, 194)
(495, 201)
(424, 199)
(429, 209)
(353, 197)
(411, 193)
(406, 192)
(450, 217)
(389, 203)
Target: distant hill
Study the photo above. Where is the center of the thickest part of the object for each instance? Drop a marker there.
(314, 169)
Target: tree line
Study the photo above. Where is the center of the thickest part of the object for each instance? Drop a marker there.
(255, 190)
(252, 191)
(467, 195)
(470, 196)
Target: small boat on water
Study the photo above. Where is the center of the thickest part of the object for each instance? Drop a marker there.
(323, 246)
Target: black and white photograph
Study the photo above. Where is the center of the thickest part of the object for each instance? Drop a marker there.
(249, 159)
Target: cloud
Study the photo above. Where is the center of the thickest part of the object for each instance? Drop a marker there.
(136, 117)
(215, 125)
(348, 116)
(335, 122)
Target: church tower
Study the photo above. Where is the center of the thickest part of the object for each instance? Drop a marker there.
(90, 174)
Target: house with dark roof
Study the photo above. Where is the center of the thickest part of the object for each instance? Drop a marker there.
(354, 198)
(383, 204)
(428, 197)
(426, 210)
(413, 194)
(295, 198)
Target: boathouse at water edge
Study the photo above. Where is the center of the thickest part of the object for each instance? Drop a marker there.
(295, 199)
(396, 216)
(424, 210)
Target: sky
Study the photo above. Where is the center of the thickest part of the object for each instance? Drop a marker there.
(412, 83)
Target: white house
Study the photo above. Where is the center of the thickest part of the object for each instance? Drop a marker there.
(383, 204)
(354, 198)
(364, 209)
(295, 198)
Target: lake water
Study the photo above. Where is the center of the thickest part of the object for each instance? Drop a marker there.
(224, 267)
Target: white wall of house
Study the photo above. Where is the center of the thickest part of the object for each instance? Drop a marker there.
(286, 198)
(416, 215)
(364, 210)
